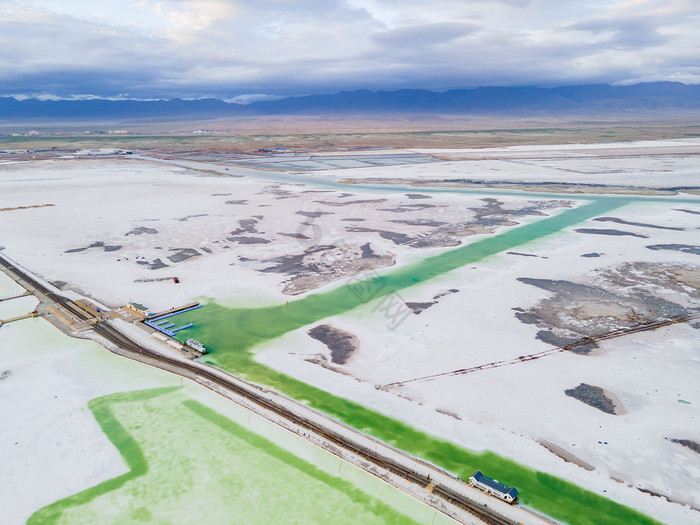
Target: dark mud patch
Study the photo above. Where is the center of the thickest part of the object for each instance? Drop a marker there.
(97, 244)
(182, 254)
(342, 344)
(526, 317)
(627, 296)
(313, 214)
(5, 374)
(353, 219)
(278, 192)
(549, 337)
(448, 413)
(560, 287)
(593, 254)
(154, 280)
(417, 308)
(220, 194)
(295, 235)
(349, 203)
(78, 250)
(681, 279)
(248, 240)
(495, 209)
(437, 240)
(684, 248)
(603, 231)
(418, 196)
(427, 240)
(395, 237)
(404, 208)
(157, 264)
(292, 264)
(188, 217)
(246, 226)
(490, 215)
(205, 249)
(593, 396)
(640, 224)
(526, 255)
(321, 264)
(367, 252)
(448, 292)
(689, 443)
(239, 201)
(688, 211)
(419, 222)
(141, 230)
(670, 500)
(487, 217)
(59, 284)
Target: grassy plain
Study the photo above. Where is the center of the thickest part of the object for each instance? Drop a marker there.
(248, 134)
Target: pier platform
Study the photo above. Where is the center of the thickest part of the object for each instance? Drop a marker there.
(161, 323)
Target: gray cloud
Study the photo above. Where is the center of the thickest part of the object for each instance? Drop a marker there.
(633, 33)
(423, 35)
(228, 48)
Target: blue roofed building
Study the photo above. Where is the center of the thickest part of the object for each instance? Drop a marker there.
(493, 487)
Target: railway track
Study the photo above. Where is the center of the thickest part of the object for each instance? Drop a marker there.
(584, 341)
(481, 512)
(114, 336)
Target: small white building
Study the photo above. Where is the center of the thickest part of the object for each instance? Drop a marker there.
(139, 308)
(493, 487)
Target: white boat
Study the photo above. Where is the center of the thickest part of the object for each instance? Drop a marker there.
(193, 343)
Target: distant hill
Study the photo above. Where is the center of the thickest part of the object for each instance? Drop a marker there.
(99, 109)
(479, 101)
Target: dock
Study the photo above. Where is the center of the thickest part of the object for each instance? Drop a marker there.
(175, 310)
(161, 322)
(25, 294)
(19, 318)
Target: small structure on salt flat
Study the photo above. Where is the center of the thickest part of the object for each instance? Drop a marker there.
(493, 487)
(139, 308)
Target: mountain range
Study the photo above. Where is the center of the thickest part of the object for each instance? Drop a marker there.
(585, 99)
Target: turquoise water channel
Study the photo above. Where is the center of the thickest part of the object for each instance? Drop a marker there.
(232, 334)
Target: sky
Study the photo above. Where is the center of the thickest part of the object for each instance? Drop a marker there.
(244, 50)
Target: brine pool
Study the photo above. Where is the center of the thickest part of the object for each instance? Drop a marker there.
(233, 334)
(187, 454)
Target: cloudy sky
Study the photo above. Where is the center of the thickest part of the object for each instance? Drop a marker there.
(233, 49)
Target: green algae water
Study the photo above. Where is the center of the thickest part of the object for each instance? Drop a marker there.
(186, 462)
(119, 436)
(233, 333)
